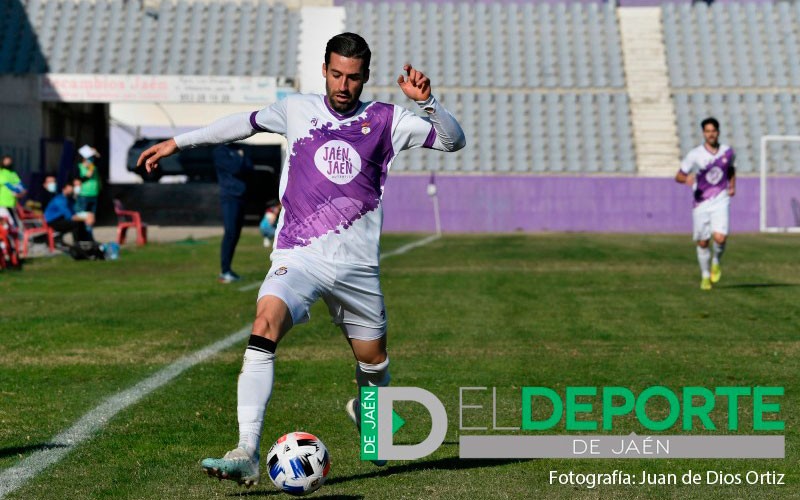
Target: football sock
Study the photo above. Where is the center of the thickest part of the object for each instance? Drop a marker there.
(254, 390)
(719, 249)
(373, 375)
(703, 255)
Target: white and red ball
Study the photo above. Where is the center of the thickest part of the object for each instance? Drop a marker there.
(298, 463)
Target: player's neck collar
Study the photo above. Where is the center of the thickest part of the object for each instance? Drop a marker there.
(341, 116)
(712, 151)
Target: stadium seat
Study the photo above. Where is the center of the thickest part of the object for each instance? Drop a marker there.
(33, 225)
(127, 219)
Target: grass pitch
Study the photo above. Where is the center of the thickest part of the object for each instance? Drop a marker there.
(464, 311)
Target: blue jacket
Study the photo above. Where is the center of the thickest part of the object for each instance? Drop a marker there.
(60, 207)
(232, 170)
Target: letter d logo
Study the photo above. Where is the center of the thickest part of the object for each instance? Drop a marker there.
(378, 423)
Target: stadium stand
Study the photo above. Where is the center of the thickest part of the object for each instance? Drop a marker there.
(740, 63)
(549, 98)
(127, 37)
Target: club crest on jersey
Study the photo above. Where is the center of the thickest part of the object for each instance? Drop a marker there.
(365, 128)
(338, 161)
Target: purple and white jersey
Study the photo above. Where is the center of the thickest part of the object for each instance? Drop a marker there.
(712, 171)
(335, 168)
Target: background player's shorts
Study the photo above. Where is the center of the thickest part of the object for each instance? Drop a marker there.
(352, 292)
(711, 217)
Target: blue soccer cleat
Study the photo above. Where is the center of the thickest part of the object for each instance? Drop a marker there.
(237, 465)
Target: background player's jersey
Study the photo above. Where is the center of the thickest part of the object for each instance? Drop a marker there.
(334, 172)
(712, 171)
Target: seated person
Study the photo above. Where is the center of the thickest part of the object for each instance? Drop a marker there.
(61, 216)
(268, 224)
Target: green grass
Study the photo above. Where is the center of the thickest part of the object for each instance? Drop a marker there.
(502, 311)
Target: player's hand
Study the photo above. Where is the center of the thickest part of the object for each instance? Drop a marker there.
(731, 190)
(690, 180)
(415, 85)
(151, 155)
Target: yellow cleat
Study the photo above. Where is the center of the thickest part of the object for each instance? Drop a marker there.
(716, 273)
(705, 284)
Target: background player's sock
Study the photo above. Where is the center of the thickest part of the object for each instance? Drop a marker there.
(719, 249)
(373, 375)
(254, 390)
(703, 256)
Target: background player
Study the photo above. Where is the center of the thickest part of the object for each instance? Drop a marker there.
(339, 153)
(709, 170)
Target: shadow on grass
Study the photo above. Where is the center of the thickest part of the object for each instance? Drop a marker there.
(450, 463)
(758, 285)
(269, 493)
(21, 450)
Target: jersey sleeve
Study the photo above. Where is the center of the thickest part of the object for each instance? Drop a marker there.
(272, 118)
(410, 131)
(688, 163)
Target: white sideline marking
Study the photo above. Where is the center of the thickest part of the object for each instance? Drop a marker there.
(251, 286)
(14, 477)
(397, 251)
(410, 246)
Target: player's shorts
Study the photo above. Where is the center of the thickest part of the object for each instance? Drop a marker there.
(352, 292)
(711, 217)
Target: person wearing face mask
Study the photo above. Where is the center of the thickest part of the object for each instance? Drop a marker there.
(61, 216)
(50, 190)
(11, 189)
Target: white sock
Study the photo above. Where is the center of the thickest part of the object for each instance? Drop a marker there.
(703, 254)
(368, 375)
(254, 390)
(719, 249)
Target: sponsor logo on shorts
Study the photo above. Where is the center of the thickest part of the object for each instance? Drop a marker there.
(281, 271)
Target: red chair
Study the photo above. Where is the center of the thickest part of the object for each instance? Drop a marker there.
(8, 252)
(129, 219)
(34, 225)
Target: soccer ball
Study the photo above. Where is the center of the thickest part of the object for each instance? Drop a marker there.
(298, 463)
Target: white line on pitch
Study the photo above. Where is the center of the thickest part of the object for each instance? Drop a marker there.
(13, 478)
(415, 244)
(398, 251)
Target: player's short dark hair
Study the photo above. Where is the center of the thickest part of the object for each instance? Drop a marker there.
(349, 45)
(710, 120)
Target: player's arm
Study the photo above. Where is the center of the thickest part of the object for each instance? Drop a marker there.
(731, 180)
(685, 175)
(231, 128)
(228, 129)
(449, 135)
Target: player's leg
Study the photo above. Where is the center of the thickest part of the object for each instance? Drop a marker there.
(284, 300)
(356, 305)
(719, 229)
(701, 222)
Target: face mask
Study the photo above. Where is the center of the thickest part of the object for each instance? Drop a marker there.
(51, 187)
(76, 190)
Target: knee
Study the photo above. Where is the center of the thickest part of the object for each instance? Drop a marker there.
(267, 325)
(719, 239)
(373, 358)
(703, 244)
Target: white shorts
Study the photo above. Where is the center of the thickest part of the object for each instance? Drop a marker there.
(711, 217)
(352, 292)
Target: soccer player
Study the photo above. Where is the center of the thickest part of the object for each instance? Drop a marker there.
(709, 170)
(340, 151)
